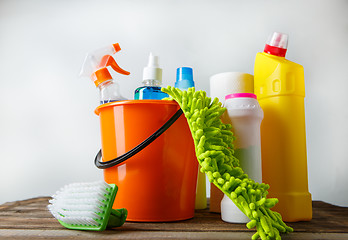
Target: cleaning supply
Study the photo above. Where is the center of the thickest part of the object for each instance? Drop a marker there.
(152, 80)
(245, 115)
(222, 84)
(95, 67)
(184, 81)
(157, 183)
(184, 78)
(87, 206)
(214, 150)
(280, 89)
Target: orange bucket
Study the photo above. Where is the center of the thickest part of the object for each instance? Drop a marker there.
(158, 183)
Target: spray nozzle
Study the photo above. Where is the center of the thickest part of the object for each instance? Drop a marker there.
(152, 71)
(96, 63)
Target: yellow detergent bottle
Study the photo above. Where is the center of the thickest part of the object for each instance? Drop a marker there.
(280, 89)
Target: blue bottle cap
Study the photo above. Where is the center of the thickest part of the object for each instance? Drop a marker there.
(184, 78)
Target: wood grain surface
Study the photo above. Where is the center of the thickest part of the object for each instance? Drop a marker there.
(30, 219)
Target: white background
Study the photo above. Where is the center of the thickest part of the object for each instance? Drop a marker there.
(49, 134)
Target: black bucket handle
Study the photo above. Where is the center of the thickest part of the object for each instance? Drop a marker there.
(135, 150)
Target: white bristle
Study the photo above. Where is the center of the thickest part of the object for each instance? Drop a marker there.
(78, 220)
(85, 189)
(81, 207)
(81, 195)
(79, 203)
(79, 214)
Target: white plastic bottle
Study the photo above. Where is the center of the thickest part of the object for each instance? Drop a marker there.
(222, 84)
(245, 115)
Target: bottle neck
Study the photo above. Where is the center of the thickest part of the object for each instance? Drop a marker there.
(152, 82)
(105, 84)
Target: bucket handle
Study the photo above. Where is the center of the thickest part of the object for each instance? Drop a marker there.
(135, 150)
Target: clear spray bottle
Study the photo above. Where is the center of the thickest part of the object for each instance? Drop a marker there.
(95, 67)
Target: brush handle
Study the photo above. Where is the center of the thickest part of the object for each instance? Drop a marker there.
(117, 217)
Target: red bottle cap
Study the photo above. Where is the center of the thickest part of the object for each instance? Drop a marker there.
(277, 44)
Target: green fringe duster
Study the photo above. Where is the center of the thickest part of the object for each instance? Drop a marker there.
(214, 150)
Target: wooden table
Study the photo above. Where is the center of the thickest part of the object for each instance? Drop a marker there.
(29, 219)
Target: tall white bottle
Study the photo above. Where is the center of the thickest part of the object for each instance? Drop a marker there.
(222, 84)
(245, 115)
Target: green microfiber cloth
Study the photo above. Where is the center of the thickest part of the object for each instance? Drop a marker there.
(214, 150)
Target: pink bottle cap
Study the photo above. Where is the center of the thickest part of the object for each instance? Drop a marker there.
(240, 95)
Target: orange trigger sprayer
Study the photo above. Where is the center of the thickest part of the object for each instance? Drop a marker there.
(95, 67)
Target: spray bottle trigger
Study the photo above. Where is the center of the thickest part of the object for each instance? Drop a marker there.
(108, 60)
(116, 47)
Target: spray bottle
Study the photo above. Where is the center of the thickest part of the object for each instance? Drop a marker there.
(279, 86)
(95, 67)
(152, 80)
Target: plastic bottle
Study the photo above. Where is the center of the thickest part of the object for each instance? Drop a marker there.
(245, 115)
(280, 88)
(152, 80)
(95, 67)
(222, 84)
(184, 81)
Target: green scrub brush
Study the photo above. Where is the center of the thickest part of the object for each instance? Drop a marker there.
(214, 150)
(87, 206)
